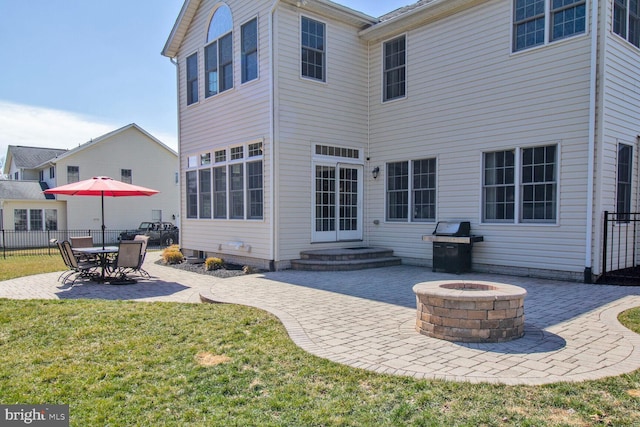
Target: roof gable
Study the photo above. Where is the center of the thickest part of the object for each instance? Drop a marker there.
(31, 157)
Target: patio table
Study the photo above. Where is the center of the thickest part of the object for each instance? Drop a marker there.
(103, 255)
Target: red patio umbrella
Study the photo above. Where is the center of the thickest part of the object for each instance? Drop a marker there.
(101, 186)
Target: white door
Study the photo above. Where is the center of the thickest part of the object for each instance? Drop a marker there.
(338, 202)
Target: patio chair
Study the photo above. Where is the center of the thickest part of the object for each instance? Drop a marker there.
(83, 242)
(127, 261)
(143, 252)
(75, 267)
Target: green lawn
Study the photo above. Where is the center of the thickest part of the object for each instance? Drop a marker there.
(153, 364)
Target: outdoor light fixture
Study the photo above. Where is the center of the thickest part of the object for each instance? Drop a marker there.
(375, 172)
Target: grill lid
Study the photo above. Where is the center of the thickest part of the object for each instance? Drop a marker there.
(452, 228)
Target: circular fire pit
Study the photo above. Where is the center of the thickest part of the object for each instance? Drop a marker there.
(470, 311)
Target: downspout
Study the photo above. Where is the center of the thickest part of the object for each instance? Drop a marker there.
(593, 88)
(367, 202)
(272, 135)
(179, 216)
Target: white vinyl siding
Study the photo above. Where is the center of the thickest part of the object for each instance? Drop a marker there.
(477, 98)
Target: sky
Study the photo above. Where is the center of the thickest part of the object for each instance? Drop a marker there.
(73, 70)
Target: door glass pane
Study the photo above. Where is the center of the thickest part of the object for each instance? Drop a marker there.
(348, 199)
(325, 198)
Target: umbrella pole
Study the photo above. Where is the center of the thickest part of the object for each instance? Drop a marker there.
(102, 199)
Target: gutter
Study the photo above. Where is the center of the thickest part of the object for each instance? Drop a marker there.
(272, 135)
(593, 89)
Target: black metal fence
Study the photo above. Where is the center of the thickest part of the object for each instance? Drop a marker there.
(620, 248)
(16, 243)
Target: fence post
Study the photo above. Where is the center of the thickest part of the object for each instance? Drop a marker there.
(4, 245)
(605, 238)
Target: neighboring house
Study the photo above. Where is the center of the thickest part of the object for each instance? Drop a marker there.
(520, 116)
(128, 154)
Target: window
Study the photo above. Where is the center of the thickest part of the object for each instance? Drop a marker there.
(623, 196)
(232, 189)
(499, 186)
(564, 18)
(73, 174)
(395, 62)
(411, 187)
(313, 49)
(51, 219)
(220, 192)
(52, 172)
(204, 188)
(125, 175)
(218, 54)
(192, 194)
(626, 20)
(539, 184)
(537, 193)
(41, 175)
(16, 176)
(192, 79)
(20, 220)
(249, 59)
(35, 219)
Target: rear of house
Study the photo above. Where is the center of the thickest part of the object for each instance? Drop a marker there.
(307, 125)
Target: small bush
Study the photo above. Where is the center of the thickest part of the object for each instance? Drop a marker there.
(172, 255)
(247, 269)
(213, 263)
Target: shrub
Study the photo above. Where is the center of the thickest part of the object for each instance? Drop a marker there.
(213, 263)
(247, 269)
(172, 255)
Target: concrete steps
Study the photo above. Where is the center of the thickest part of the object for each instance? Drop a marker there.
(345, 259)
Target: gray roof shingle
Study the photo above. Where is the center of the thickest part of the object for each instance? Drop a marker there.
(30, 157)
(23, 190)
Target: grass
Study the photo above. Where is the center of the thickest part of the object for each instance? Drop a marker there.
(25, 265)
(167, 364)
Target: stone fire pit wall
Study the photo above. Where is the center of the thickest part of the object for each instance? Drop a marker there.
(470, 311)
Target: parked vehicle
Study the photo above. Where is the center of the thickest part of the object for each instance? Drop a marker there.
(160, 233)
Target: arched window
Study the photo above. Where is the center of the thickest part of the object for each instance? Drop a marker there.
(218, 54)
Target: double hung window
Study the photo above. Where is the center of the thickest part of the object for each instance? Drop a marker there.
(535, 199)
(35, 219)
(313, 49)
(411, 190)
(249, 58)
(192, 79)
(537, 22)
(73, 174)
(395, 73)
(125, 176)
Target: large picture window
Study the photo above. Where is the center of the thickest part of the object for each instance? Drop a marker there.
(395, 74)
(564, 18)
(313, 49)
(411, 190)
(232, 188)
(535, 199)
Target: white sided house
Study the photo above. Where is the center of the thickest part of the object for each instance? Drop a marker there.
(128, 154)
(307, 125)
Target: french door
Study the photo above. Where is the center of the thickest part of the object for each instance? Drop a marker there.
(337, 202)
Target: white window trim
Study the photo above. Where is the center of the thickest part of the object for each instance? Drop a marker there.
(517, 220)
(406, 70)
(547, 29)
(326, 50)
(410, 190)
(257, 18)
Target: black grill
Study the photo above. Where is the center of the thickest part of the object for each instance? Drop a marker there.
(452, 244)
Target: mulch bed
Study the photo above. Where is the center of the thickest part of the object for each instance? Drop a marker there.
(229, 270)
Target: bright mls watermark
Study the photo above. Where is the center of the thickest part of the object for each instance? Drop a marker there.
(34, 415)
